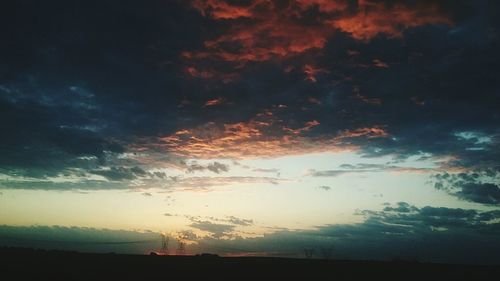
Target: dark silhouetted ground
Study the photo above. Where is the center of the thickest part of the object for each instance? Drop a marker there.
(49, 265)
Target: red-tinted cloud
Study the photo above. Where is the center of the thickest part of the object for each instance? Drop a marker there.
(223, 10)
(213, 102)
(211, 74)
(311, 72)
(380, 63)
(374, 18)
(262, 136)
(262, 30)
(199, 74)
(374, 132)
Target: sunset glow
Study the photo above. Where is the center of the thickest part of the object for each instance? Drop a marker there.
(252, 127)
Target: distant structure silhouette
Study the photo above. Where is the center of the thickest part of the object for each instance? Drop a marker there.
(181, 249)
(164, 244)
(308, 253)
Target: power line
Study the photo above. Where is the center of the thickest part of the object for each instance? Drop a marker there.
(77, 241)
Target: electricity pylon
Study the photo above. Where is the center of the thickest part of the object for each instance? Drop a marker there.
(181, 249)
(164, 244)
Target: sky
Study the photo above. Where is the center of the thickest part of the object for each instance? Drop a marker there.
(359, 129)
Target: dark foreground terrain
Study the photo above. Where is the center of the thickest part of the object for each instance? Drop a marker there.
(49, 265)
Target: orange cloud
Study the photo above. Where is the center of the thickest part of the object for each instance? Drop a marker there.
(223, 10)
(307, 127)
(213, 102)
(262, 30)
(199, 74)
(374, 18)
(380, 63)
(261, 42)
(258, 137)
(314, 100)
(312, 71)
(211, 74)
(269, 31)
(364, 132)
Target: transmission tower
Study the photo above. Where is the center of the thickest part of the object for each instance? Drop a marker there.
(164, 244)
(181, 249)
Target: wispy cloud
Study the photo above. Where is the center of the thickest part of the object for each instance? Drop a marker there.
(368, 168)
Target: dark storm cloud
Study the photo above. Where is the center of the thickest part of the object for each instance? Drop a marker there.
(79, 238)
(117, 56)
(486, 193)
(402, 207)
(82, 83)
(480, 187)
(83, 184)
(78, 82)
(120, 173)
(402, 231)
(39, 140)
(442, 83)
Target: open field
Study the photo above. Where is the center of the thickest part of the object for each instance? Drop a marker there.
(37, 264)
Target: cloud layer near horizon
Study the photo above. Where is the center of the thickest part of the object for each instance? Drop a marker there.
(400, 231)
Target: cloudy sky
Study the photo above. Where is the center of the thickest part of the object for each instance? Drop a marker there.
(363, 129)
